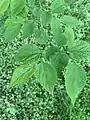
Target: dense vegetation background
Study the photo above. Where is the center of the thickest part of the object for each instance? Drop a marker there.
(31, 101)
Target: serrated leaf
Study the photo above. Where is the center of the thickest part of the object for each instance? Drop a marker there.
(4, 4)
(69, 33)
(58, 6)
(28, 29)
(80, 50)
(45, 18)
(75, 80)
(47, 76)
(59, 61)
(12, 29)
(16, 6)
(70, 21)
(21, 74)
(29, 53)
(41, 36)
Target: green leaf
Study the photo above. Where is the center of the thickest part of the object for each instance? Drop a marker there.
(41, 36)
(55, 25)
(16, 6)
(12, 29)
(59, 61)
(36, 11)
(70, 21)
(75, 80)
(4, 4)
(70, 35)
(28, 29)
(31, 3)
(70, 1)
(80, 50)
(24, 13)
(59, 37)
(58, 6)
(50, 51)
(45, 18)
(47, 76)
(29, 53)
(21, 74)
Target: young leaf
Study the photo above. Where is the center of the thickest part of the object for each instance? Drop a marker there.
(41, 36)
(80, 50)
(4, 4)
(75, 79)
(70, 21)
(28, 53)
(28, 29)
(47, 76)
(45, 18)
(59, 61)
(12, 30)
(21, 74)
(58, 6)
(16, 6)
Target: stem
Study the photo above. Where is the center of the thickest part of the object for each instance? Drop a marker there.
(71, 108)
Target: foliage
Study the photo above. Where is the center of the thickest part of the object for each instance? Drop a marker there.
(69, 50)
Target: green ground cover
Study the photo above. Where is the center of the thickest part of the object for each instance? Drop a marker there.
(31, 101)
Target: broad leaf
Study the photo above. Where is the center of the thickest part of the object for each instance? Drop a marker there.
(80, 50)
(17, 6)
(12, 29)
(45, 18)
(58, 6)
(47, 76)
(29, 53)
(4, 4)
(28, 29)
(75, 79)
(59, 61)
(21, 75)
(70, 21)
(41, 36)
